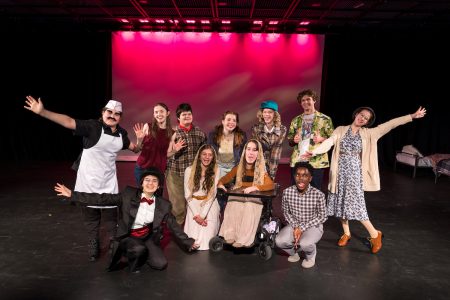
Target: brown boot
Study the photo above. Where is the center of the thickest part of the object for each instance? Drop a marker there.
(343, 241)
(376, 242)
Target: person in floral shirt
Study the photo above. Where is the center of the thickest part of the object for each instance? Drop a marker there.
(306, 132)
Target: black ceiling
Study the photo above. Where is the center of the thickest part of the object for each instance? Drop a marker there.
(322, 16)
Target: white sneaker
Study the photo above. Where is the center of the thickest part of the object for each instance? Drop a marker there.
(294, 258)
(308, 263)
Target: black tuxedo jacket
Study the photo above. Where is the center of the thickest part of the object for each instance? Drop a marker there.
(129, 201)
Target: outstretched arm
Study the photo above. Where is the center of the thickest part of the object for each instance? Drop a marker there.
(37, 107)
(420, 113)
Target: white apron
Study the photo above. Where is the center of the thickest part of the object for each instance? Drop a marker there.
(97, 170)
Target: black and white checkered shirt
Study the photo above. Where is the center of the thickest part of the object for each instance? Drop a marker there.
(303, 210)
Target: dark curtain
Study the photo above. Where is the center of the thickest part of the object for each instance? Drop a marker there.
(71, 72)
(394, 74)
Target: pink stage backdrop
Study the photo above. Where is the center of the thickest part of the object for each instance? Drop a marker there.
(214, 72)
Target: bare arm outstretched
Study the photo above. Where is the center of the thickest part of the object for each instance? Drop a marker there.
(37, 107)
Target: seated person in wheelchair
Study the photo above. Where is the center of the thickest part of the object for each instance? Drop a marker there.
(304, 210)
(242, 214)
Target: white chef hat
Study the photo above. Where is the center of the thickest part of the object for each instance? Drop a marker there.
(114, 104)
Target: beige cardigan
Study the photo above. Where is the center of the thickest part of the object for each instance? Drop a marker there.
(369, 155)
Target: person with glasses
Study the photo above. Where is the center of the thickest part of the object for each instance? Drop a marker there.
(354, 169)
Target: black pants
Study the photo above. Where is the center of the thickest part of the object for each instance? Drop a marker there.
(92, 217)
(138, 251)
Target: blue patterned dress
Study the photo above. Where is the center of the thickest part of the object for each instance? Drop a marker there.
(348, 201)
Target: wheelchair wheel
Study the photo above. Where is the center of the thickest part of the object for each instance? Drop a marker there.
(264, 251)
(216, 244)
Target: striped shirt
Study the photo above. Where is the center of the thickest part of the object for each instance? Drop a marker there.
(303, 210)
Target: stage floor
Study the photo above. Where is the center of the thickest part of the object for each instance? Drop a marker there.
(43, 249)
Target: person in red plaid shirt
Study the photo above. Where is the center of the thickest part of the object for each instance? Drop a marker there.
(304, 210)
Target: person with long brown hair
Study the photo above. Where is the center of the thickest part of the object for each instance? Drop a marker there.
(228, 140)
(156, 141)
(200, 182)
(242, 214)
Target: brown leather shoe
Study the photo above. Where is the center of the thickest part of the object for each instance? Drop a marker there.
(343, 241)
(376, 242)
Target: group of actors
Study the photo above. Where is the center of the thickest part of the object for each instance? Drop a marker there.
(193, 165)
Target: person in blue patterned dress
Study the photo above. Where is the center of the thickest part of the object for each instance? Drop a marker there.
(354, 169)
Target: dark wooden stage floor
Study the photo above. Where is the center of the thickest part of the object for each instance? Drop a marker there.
(43, 251)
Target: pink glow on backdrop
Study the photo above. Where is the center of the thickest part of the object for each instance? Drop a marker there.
(214, 72)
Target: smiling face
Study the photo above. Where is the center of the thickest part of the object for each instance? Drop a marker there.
(302, 178)
(206, 157)
(229, 122)
(111, 117)
(362, 118)
(160, 114)
(185, 118)
(268, 116)
(150, 184)
(251, 153)
(307, 103)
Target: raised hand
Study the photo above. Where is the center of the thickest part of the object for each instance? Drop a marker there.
(420, 113)
(139, 131)
(62, 190)
(34, 105)
(180, 144)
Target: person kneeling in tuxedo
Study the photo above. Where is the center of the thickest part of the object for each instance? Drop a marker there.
(141, 224)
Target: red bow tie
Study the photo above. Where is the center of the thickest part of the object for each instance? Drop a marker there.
(149, 201)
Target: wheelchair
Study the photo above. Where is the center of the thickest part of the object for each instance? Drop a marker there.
(268, 227)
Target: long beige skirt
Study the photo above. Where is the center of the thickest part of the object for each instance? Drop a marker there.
(241, 220)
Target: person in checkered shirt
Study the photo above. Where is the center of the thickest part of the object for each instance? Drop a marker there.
(183, 147)
(304, 210)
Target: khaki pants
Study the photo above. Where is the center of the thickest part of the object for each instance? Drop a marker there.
(175, 189)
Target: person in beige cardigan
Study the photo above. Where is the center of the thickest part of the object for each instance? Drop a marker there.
(354, 169)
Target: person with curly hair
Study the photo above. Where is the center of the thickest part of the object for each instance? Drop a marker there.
(200, 182)
(306, 132)
(270, 133)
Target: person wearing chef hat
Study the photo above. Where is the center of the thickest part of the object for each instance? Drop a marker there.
(96, 166)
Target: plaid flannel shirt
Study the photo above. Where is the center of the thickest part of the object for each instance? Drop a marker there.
(178, 162)
(271, 142)
(303, 210)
